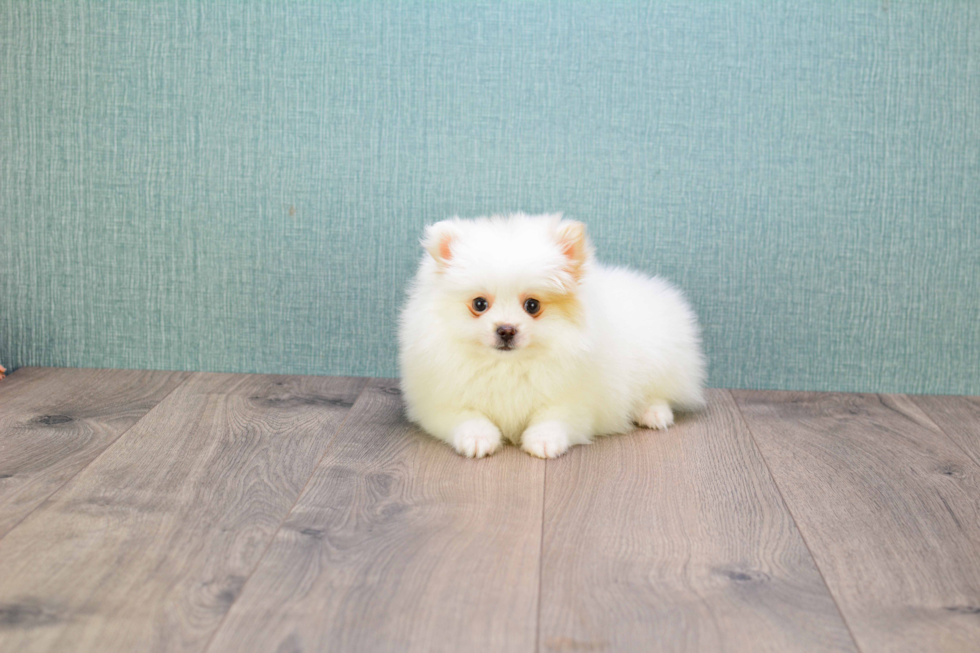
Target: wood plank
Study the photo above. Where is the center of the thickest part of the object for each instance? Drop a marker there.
(959, 418)
(889, 507)
(149, 545)
(399, 544)
(678, 540)
(55, 421)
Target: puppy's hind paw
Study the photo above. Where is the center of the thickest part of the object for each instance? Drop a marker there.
(546, 440)
(476, 438)
(658, 415)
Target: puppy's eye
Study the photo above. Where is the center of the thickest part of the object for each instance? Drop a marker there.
(532, 306)
(480, 304)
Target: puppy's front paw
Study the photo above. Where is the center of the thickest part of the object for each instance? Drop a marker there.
(658, 415)
(545, 440)
(476, 438)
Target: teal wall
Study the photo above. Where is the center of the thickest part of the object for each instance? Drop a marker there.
(240, 185)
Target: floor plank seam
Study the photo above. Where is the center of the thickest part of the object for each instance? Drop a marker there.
(796, 524)
(89, 463)
(544, 503)
(939, 426)
(285, 518)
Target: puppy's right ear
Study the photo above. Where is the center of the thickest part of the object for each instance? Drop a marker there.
(438, 241)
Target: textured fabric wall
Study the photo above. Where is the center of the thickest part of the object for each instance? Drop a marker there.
(241, 185)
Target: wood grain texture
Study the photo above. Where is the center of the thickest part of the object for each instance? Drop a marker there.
(678, 541)
(958, 417)
(55, 421)
(399, 544)
(147, 547)
(889, 507)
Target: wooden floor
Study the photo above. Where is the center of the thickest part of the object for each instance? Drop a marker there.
(158, 511)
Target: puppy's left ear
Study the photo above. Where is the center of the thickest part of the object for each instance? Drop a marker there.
(575, 245)
(438, 241)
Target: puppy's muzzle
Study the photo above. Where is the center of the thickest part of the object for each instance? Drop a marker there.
(505, 336)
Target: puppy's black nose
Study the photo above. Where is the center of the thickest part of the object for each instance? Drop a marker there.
(506, 332)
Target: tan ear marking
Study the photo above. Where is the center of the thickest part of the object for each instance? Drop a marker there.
(574, 244)
(438, 241)
(445, 252)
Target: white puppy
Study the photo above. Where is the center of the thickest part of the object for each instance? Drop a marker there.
(513, 331)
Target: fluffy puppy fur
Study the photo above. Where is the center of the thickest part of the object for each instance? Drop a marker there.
(513, 331)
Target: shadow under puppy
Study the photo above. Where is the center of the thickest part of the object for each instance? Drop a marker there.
(512, 330)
